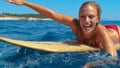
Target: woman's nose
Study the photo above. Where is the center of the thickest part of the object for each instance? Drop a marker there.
(87, 19)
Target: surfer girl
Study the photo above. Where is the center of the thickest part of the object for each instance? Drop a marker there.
(87, 28)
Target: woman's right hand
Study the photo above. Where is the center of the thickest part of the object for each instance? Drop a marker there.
(17, 2)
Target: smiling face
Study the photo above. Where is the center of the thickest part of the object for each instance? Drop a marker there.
(88, 18)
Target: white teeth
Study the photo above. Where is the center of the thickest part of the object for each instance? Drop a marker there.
(87, 25)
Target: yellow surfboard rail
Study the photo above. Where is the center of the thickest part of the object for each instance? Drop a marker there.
(52, 46)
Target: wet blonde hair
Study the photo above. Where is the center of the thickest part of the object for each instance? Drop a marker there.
(93, 4)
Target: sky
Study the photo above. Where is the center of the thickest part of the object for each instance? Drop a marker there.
(110, 8)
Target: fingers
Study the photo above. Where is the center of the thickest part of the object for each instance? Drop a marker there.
(17, 2)
(11, 1)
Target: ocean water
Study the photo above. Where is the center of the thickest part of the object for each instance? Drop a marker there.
(18, 57)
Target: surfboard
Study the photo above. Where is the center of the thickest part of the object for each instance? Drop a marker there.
(52, 46)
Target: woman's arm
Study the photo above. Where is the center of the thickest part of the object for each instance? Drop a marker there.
(107, 42)
(67, 20)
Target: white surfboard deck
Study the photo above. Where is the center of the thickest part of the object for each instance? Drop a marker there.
(52, 46)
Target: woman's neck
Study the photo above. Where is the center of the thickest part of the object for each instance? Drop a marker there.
(88, 36)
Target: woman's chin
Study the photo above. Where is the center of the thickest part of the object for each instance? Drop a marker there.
(87, 32)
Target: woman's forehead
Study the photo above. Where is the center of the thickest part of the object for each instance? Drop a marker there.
(88, 9)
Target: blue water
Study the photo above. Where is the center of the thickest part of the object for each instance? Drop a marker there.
(18, 57)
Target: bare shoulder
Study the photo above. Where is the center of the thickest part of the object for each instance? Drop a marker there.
(101, 30)
(75, 24)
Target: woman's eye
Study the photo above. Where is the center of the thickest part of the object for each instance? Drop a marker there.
(82, 16)
(91, 16)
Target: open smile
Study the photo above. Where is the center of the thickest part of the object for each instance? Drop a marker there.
(87, 27)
